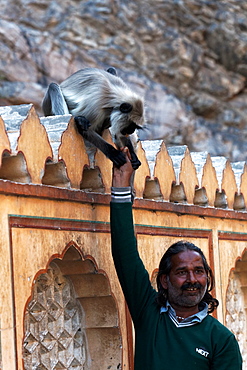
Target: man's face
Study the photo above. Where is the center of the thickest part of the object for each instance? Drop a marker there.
(187, 281)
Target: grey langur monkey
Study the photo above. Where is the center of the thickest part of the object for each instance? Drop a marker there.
(98, 100)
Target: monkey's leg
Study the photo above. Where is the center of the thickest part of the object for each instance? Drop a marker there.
(134, 159)
(54, 103)
(117, 157)
(82, 124)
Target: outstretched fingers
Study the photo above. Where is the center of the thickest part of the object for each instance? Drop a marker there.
(122, 175)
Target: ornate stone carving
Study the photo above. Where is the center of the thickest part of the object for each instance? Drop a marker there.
(236, 312)
(54, 325)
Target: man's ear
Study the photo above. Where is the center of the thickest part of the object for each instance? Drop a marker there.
(163, 281)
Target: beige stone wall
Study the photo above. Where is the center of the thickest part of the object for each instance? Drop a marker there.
(38, 230)
(65, 223)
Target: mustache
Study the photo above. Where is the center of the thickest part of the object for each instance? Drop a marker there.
(191, 286)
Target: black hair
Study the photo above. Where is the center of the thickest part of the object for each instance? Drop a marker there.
(165, 267)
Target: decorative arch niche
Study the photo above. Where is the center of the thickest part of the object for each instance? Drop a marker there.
(236, 304)
(71, 320)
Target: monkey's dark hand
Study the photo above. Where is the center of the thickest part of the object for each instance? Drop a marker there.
(119, 159)
(133, 157)
(82, 124)
(116, 156)
(135, 162)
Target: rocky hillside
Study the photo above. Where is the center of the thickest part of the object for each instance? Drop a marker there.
(187, 57)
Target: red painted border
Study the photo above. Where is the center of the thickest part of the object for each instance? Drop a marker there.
(229, 235)
(58, 224)
(73, 195)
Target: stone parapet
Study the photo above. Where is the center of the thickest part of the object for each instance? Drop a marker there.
(49, 151)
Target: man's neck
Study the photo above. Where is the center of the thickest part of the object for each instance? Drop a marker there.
(184, 312)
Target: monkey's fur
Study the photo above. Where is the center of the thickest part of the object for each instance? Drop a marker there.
(98, 100)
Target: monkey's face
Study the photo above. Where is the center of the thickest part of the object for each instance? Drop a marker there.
(129, 129)
(125, 119)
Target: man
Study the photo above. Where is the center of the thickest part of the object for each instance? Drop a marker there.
(172, 327)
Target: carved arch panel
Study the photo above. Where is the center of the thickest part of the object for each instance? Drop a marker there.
(236, 304)
(71, 320)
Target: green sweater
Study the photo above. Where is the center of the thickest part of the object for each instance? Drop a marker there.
(159, 344)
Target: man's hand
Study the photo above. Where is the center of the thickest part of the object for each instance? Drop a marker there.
(121, 176)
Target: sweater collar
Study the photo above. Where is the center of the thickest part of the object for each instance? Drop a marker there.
(196, 318)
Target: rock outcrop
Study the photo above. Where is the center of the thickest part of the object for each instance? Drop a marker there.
(188, 58)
